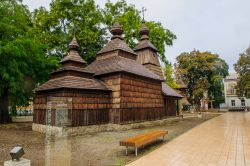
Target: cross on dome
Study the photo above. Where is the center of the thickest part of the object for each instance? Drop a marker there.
(143, 13)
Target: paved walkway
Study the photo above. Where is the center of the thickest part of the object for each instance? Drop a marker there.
(224, 140)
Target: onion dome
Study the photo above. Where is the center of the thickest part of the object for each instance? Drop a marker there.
(73, 45)
(116, 31)
(144, 31)
(117, 42)
(73, 54)
(144, 43)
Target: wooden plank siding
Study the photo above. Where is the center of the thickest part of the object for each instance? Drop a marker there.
(113, 82)
(132, 99)
(156, 69)
(141, 99)
(170, 106)
(39, 114)
(91, 108)
(88, 107)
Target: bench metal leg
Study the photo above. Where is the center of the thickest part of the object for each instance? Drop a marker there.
(135, 151)
(126, 150)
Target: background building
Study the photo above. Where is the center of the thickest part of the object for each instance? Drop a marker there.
(232, 101)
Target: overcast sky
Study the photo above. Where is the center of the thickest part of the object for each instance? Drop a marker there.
(219, 26)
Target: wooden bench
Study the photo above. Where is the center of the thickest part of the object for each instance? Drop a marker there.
(142, 139)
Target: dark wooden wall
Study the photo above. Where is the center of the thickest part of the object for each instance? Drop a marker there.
(39, 114)
(91, 108)
(141, 99)
(132, 99)
(171, 106)
(88, 107)
(114, 82)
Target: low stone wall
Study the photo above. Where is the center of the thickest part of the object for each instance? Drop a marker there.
(100, 128)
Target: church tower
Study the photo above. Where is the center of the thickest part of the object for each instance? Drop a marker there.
(147, 52)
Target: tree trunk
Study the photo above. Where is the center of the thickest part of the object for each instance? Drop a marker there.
(203, 104)
(4, 103)
(197, 104)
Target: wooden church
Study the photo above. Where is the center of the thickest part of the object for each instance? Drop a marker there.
(122, 85)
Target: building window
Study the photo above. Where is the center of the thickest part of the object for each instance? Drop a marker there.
(233, 103)
(243, 103)
(231, 89)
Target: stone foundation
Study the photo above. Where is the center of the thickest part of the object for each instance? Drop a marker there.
(44, 129)
(101, 128)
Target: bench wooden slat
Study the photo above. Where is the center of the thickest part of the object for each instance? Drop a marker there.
(141, 139)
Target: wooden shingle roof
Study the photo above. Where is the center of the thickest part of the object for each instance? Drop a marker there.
(73, 54)
(116, 44)
(168, 91)
(83, 80)
(185, 102)
(145, 42)
(181, 84)
(72, 82)
(120, 64)
(72, 68)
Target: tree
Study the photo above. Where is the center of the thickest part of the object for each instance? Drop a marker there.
(56, 27)
(242, 67)
(203, 72)
(22, 59)
(168, 73)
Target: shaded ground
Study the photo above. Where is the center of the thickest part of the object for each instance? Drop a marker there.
(94, 149)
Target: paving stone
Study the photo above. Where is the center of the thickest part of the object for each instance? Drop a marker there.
(224, 140)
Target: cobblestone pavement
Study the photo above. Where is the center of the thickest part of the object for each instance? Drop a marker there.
(224, 140)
